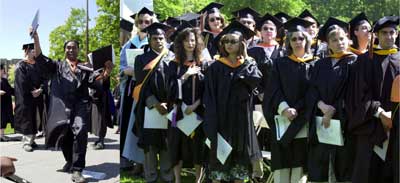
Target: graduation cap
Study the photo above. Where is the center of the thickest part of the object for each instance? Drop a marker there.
(283, 17)
(172, 21)
(126, 25)
(28, 46)
(324, 30)
(155, 28)
(189, 18)
(307, 13)
(246, 13)
(144, 10)
(296, 24)
(357, 20)
(180, 28)
(211, 8)
(271, 18)
(387, 21)
(101, 56)
(233, 27)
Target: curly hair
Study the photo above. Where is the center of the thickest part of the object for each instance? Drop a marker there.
(179, 49)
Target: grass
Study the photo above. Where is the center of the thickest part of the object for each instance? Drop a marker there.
(8, 129)
(126, 178)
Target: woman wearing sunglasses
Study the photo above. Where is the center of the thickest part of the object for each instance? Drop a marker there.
(229, 85)
(284, 104)
(325, 98)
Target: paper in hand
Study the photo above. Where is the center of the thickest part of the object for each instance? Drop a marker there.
(331, 135)
(35, 23)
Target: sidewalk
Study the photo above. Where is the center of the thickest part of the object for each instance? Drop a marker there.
(40, 165)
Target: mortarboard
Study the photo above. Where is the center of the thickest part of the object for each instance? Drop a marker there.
(179, 29)
(296, 24)
(101, 56)
(357, 20)
(28, 46)
(211, 8)
(307, 13)
(172, 21)
(155, 28)
(266, 17)
(236, 26)
(326, 28)
(387, 21)
(283, 17)
(191, 18)
(246, 13)
(144, 10)
(126, 25)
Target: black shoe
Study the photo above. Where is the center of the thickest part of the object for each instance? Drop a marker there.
(77, 177)
(34, 145)
(99, 146)
(67, 167)
(4, 139)
(27, 147)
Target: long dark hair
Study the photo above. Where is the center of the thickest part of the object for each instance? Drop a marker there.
(353, 37)
(179, 50)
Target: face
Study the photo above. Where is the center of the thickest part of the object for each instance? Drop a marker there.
(3, 73)
(338, 42)
(248, 22)
(387, 37)
(231, 43)
(297, 42)
(30, 54)
(313, 29)
(157, 42)
(268, 31)
(144, 21)
(71, 51)
(189, 44)
(362, 31)
(215, 21)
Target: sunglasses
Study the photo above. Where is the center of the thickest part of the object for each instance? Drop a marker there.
(144, 21)
(215, 19)
(268, 29)
(248, 22)
(294, 39)
(232, 41)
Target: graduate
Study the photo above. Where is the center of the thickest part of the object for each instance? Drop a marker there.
(229, 85)
(187, 151)
(283, 17)
(360, 34)
(211, 26)
(28, 97)
(370, 109)
(325, 98)
(69, 114)
(6, 92)
(285, 96)
(153, 92)
(248, 17)
(318, 48)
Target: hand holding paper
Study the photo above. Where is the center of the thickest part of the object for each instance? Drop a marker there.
(35, 24)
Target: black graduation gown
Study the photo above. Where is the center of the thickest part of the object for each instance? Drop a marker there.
(228, 104)
(364, 97)
(264, 63)
(290, 83)
(101, 110)
(209, 41)
(27, 116)
(189, 149)
(7, 114)
(328, 84)
(158, 85)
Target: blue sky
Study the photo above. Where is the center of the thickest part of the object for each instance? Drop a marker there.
(16, 16)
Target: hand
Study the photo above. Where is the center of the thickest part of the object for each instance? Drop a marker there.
(36, 92)
(326, 109)
(108, 66)
(190, 108)
(162, 108)
(7, 166)
(326, 121)
(30, 29)
(192, 70)
(2, 92)
(290, 113)
(386, 120)
(129, 71)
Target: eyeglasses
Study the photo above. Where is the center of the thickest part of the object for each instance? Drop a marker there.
(294, 39)
(144, 21)
(215, 19)
(268, 29)
(248, 22)
(232, 41)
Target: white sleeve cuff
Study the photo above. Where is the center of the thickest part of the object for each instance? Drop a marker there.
(378, 112)
(282, 106)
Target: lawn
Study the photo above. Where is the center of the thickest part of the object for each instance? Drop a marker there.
(8, 129)
(126, 178)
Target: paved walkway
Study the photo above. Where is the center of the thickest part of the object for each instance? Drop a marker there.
(40, 165)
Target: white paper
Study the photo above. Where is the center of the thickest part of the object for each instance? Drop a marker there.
(259, 119)
(131, 54)
(223, 148)
(331, 135)
(35, 23)
(381, 152)
(189, 122)
(154, 120)
(93, 175)
(282, 123)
